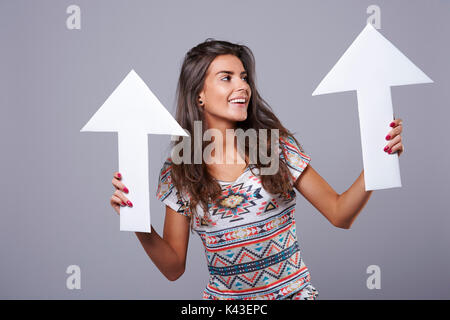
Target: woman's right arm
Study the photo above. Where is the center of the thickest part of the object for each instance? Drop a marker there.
(169, 252)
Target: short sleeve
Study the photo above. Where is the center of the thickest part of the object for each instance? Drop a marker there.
(294, 157)
(168, 194)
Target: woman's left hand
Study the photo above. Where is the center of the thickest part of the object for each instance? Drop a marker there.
(394, 137)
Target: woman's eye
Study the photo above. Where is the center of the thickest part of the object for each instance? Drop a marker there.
(228, 77)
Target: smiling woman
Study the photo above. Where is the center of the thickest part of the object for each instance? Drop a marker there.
(244, 217)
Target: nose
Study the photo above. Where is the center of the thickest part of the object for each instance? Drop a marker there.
(243, 85)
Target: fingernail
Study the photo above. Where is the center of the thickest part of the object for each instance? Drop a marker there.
(119, 175)
(125, 189)
(129, 203)
(388, 137)
(123, 203)
(389, 151)
(386, 148)
(392, 124)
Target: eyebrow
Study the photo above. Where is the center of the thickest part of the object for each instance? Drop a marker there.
(230, 72)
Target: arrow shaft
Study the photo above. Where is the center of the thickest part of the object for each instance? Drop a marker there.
(133, 164)
(381, 170)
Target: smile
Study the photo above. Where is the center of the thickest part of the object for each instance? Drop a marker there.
(238, 101)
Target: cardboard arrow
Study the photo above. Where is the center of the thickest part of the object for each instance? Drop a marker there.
(371, 66)
(133, 111)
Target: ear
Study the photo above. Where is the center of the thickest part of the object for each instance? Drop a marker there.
(200, 99)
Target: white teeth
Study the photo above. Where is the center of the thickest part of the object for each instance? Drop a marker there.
(237, 101)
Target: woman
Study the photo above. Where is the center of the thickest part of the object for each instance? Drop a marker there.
(244, 218)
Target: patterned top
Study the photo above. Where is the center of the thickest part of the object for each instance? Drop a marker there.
(250, 241)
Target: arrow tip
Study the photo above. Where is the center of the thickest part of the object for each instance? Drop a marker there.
(371, 60)
(132, 72)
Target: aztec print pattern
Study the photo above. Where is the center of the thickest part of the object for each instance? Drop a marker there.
(307, 293)
(250, 240)
(167, 193)
(235, 201)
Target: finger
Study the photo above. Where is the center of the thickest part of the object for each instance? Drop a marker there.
(114, 205)
(397, 131)
(120, 195)
(116, 201)
(396, 148)
(392, 143)
(119, 185)
(399, 152)
(395, 123)
(117, 175)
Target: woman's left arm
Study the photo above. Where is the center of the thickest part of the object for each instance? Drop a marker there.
(342, 209)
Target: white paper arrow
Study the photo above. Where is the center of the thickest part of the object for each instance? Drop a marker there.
(371, 65)
(133, 111)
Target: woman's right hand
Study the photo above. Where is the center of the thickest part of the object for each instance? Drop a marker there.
(118, 199)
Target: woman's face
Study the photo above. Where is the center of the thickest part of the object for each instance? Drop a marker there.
(226, 81)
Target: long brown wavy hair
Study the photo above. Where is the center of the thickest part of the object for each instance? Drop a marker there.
(193, 179)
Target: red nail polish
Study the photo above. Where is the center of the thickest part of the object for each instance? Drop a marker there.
(129, 203)
(125, 189)
(123, 203)
(392, 124)
(388, 137)
(119, 175)
(389, 151)
(386, 148)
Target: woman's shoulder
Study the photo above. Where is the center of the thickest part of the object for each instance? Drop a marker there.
(166, 182)
(289, 144)
(168, 193)
(167, 165)
(288, 141)
(293, 155)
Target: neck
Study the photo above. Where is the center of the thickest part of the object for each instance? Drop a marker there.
(222, 125)
(229, 143)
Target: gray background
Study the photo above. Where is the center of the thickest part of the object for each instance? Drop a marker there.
(56, 181)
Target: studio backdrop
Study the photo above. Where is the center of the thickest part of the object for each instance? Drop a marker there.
(60, 60)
